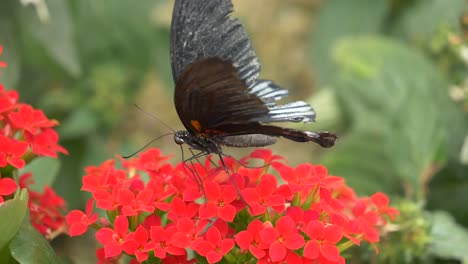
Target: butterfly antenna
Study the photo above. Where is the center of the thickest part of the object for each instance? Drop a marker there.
(154, 117)
(145, 146)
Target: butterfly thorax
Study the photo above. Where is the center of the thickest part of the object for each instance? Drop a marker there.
(199, 143)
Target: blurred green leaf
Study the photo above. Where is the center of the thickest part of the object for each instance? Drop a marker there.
(359, 159)
(423, 18)
(55, 33)
(12, 213)
(80, 123)
(338, 19)
(390, 91)
(29, 246)
(448, 190)
(44, 171)
(449, 239)
(9, 76)
(464, 152)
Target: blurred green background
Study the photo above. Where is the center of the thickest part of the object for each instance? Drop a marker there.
(390, 77)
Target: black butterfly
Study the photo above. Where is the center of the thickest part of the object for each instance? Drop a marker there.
(218, 95)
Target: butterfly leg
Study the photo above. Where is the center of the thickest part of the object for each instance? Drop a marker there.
(244, 165)
(220, 155)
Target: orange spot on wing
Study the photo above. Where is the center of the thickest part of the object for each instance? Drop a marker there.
(196, 125)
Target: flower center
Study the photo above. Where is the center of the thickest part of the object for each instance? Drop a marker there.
(221, 203)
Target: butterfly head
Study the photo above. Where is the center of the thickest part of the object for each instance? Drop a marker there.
(182, 137)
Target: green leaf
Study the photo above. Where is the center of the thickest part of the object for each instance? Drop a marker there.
(80, 123)
(12, 213)
(464, 152)
(449, 239)
(358, 158)
(338, 19)
(44, 171)
(390, 91)
(422, 19)
(9, 76)
(29, 246)
(55, 33)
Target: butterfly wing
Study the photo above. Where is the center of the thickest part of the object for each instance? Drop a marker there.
(213, 101)
(203, 29)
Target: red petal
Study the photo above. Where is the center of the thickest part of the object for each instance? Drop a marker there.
(285, 225)
(268, 235)
(207, 211)
(333, 234)
(250, 195)
(7, 186)
(213, 236)
(267, 185)
(229, 194)
(77, 229)
(121, 225)
(157, 234)
(141, 235)
(212, 191)
(227, 212)
(203, 247)
(105, 235)
(213, 257)
(311, 249)
(330, 252)
(277, 251)
(112, 250)
(258, 253)
(294, 241)
(380, 200)
(244, 239)
(130, 246)
(141, 256)
(315, 230)
(226, 245)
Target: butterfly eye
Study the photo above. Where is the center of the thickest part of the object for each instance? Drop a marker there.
(178, 140)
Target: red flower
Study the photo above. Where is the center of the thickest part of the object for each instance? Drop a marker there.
(264, 196)
(149, 161)
(281, 238)
(46, 211)
(219, 202)
(8, 101)
(161, 242)
(181, 209)
(7, 187)
(266, 155)
(250, 239)
(31, 120)
(11, 151)
(188, 232)
(132, 205)
(323, 241)
(301, 217)
(113, 239)
(382, 203)
(45, 143)
(135, 243)
(364, 222)
(2, 63)
(80, 221)
(214, 247)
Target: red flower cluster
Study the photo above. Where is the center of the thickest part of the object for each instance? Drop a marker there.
(157, 211)
(26, 133)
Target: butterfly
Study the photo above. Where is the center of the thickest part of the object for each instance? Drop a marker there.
(218, 94)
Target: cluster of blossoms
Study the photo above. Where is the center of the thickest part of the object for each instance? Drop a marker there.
(190, 213)
(26, 133)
